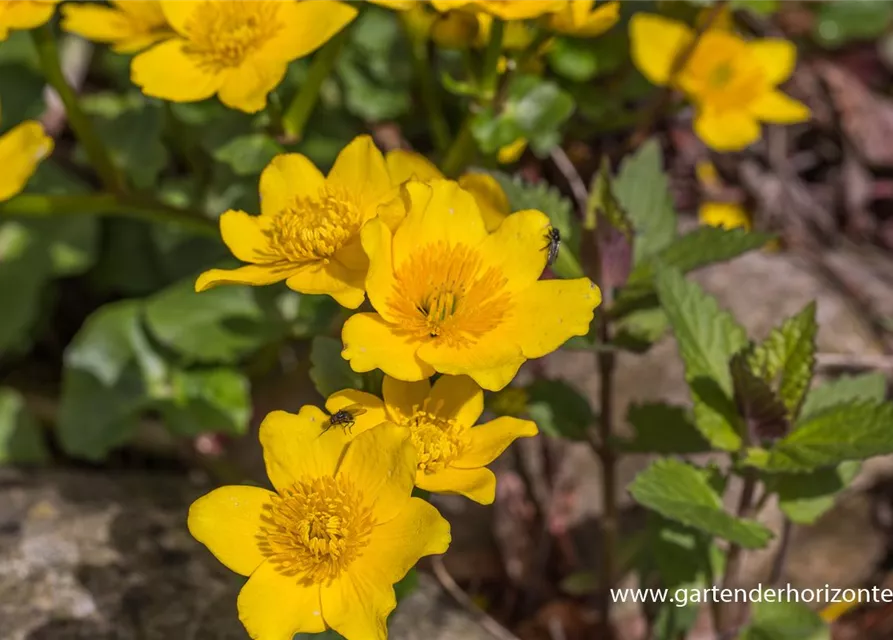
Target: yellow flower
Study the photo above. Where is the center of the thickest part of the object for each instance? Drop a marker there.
(324, 549)
(237, 49)
(512, 152)
(580, 18)
(129, 26)
(24, 14)
(21, 150)
(308, 230)
(491, 199)
(453, 299)
(504, 9)
(732, 82)
(726, 215)
(452, 452)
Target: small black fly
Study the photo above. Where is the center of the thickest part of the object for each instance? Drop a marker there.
(553, 238)
(345, 417)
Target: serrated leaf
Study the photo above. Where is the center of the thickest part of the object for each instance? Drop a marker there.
(662, 428)
(21, 436)
(558, 409)
(707, 338)
(763, 411)
(680, 492)
(784, 621)
(865, 387)
(837, 434)
(328, 370)
(643, 190)
(804, 497)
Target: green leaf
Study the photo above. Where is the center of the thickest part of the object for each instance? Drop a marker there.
(21, 437)
(764, 414)
(838, 23)
(643, 190)
(804, 497)
(843, 432)
(789, 354)
(248, 155)
(21, 94)
(25, 267)
(582, 59)
(865, 387)
(681, 492)
(784, 621)
(707, 338)
(219, 325)
(208, 400)
(663, 428)
(759, 7)
(558, 409)
(638, 330)
(328, 370)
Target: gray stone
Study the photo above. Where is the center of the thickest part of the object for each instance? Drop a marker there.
(89, 555)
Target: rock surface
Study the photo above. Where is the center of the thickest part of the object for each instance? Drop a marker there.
(88, 555)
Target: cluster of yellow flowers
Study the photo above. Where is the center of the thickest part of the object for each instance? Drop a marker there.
(454, 281)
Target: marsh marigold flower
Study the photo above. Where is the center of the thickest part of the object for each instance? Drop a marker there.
(491, 199)
(24, 14)
(581, 18)
(324, 549)
(504, 9)
(452, 452)
(732, 82)
(308, 233)
(727, 215)
(21, 150)
(237, 49)
(453, 299)
(128, 25)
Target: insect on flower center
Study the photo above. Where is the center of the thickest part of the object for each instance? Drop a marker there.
(313, 229)
(437, 440)
(445, 292)
(315, 529)
(222, 34)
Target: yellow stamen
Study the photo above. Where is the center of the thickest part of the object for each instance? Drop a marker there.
(438, 439)
(223, 34)
(314, 530)
(446, 293)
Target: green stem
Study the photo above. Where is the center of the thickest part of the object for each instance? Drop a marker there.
(298, 112)
(48, 54)
(490, 77)
(106, 204)
(460, 151)
(440, 130)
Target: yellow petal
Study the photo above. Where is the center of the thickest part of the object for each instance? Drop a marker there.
(25, 15)
(512, 151)
(179, 12)
(656, 41)
(246, 236)
(376, 239)
(458, 398)
(306, 26)
(166, 71)
(491, 199)
(396, 546)
(402, 399)
(228, 521)
(273, 606)
(288, 176)
(727, 131)
(144, 11)
(98, 23)
(578, 19)
(550, 312)
(491, 361)
(246, 87)
(132, 26)
(371, 343)
(520, 247)
(21, 150)
(360, 168)
(476, 484)
(490, 439)
(381, 464)
(252, 274)
(496, 378)
(406, 165)
(298, 447)
(374, 408)
(776, 58)
(332, 279)
(440, 212)
(778, 108)
(723, 214)
(519, 9)
(357, 605)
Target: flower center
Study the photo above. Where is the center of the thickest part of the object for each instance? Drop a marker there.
(720, 75)
(437, 440)
(315, 228)
(223, 34)
(316, 529)
(445, 293)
